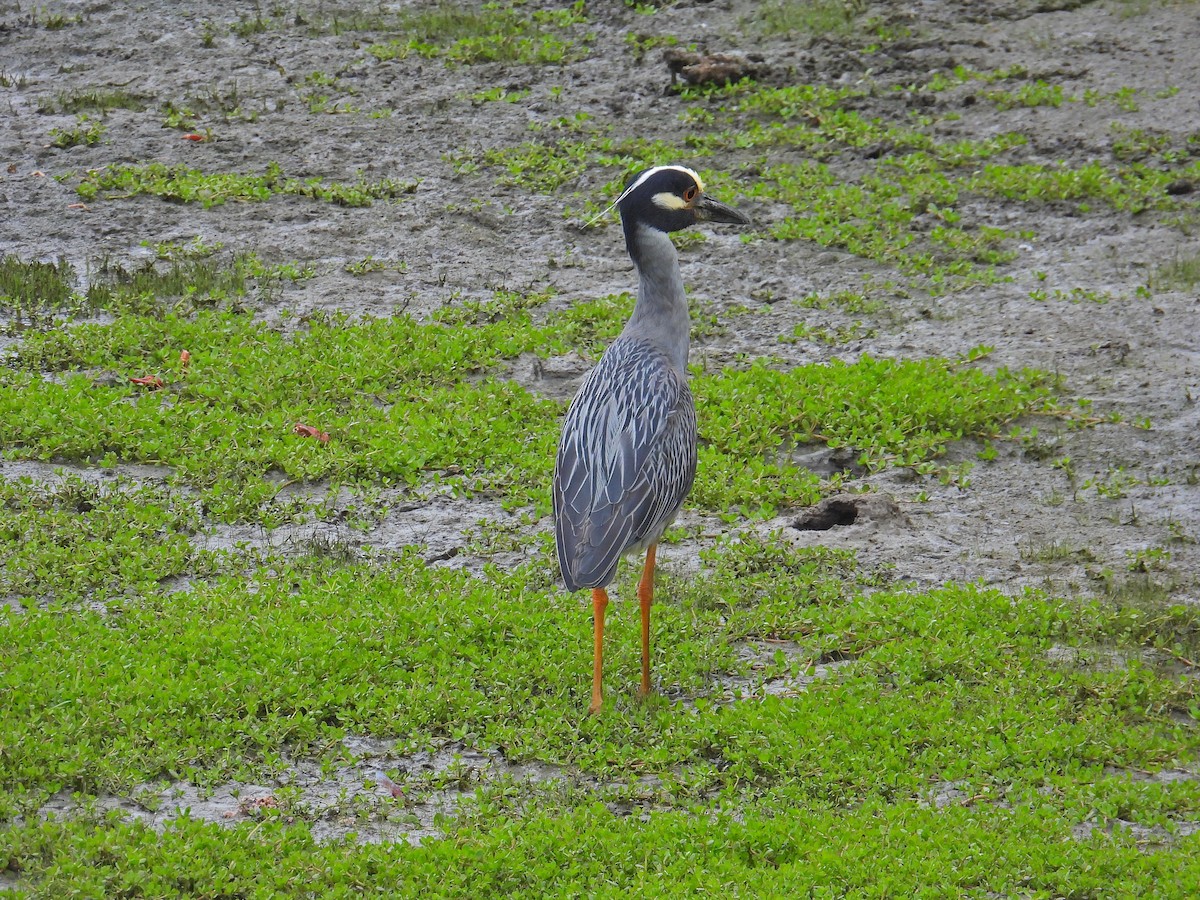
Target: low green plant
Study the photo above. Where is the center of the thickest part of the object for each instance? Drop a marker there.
(892, 413)
(82, 542)
(55, 21)
(1124, 98)
(1181, 272)
(932, 688)
(960, 75)
(1114, 484)
(1133, 144)
(178, 182)
(196, 248)
(878, 219)
(86, 132)
(493, 33)
(1056, 551)
(534, 848)
(370, 264)
(850, 301)
(247, 26)
(181, 117)
(224, 430)
(1035, 93)
(813, 17)
(641, 44)
(99, 100)
(1148, 559)
(546, 165)
(1074, 295)
(499, 92)
(815, 729)
(1136, 188)
(31, 291)
(904, 208)
(193, 277)
(830, 336)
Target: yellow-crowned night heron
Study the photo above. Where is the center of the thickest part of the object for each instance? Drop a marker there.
(627, 456)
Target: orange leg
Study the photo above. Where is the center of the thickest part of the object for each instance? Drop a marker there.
(646, 596)
(599, 603)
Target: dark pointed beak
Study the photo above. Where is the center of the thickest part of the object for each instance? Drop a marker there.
(710, 210)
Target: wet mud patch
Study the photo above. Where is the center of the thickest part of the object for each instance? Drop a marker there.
(378, 795)
(54, 474)
(443, 529)
(762, 656)
(1148, 837)
(557, 377)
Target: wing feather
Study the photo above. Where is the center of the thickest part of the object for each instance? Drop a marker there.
(626, 460)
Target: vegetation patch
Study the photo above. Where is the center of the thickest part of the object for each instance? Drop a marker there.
(185, 185)
(1134, 188)
(466, 35)
(225, 417)
(811, 17)
(202, 587)
(764, 848)
(893, 412)
(100, 100)
(886, 191)
(83, 543)
(85, 133)
(29, 290)
(1181, 272)
(35, 293)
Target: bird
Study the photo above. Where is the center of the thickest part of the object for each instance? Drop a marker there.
(627, 453)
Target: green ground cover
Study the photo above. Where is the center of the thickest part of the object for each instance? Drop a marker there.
(225, 421)
(950, 686)
(886, 189)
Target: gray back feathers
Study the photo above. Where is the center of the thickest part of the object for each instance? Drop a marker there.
(626, 461)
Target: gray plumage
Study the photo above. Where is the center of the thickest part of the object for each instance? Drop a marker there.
(626, 461)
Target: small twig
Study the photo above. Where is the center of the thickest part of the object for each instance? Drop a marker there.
(1180, 657)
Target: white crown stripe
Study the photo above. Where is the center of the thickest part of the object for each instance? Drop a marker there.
(642, 180)
(650, 172)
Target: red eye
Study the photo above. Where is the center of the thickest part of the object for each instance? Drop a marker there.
(690, 194)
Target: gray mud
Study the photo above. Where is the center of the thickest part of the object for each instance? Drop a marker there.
(378, 795)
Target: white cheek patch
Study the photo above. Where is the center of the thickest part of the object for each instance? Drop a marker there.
(668, 200)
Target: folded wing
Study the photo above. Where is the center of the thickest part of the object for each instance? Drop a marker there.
(626, 461)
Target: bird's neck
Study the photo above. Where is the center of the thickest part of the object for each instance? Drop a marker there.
(661, 314)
